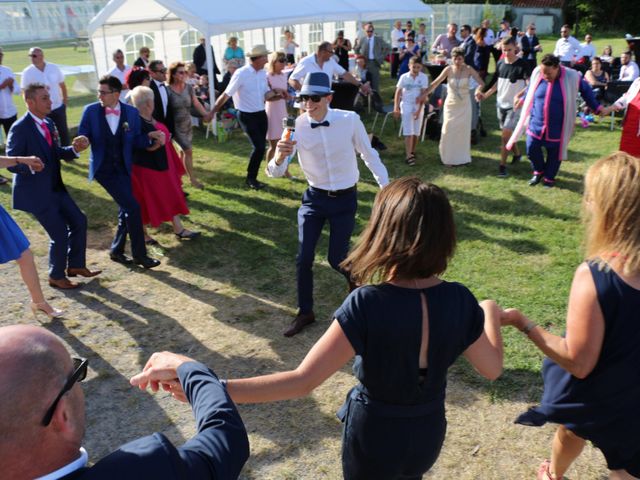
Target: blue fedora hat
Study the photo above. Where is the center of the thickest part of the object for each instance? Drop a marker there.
(316, 83)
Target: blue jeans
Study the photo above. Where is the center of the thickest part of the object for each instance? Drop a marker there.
(317, 208)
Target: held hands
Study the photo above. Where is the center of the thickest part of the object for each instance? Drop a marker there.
(512, 317)
(480, 96)
(161, 370)
(80, 143)
(365, 88)
(158, 137)
(34, 163)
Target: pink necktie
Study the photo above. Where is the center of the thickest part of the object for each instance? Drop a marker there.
(112, 111)
(47, 133)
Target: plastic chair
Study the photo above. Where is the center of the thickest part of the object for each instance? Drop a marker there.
(388, 111)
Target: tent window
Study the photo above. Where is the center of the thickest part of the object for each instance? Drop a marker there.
(189, 40)
(339, 26)
(133, 43)
(316, 34)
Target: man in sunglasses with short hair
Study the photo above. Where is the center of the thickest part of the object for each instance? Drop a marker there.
(42, 419)
(326, 141)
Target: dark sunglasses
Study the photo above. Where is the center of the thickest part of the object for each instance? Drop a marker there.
(313, 98)
(369, 31)
(79, 373)
(162, 70)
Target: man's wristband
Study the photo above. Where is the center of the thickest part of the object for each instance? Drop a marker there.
(528, 327)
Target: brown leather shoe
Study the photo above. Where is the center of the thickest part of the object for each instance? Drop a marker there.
(301, 321)
(63, 283)
(83, 272)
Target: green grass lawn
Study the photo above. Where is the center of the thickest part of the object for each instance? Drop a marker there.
(517, 244)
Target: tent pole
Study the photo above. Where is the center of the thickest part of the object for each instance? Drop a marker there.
(211, 70)
(164, 43)
(433, 28)
(106, 54)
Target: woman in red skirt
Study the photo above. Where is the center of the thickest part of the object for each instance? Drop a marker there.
(156, 175)
(630, 140)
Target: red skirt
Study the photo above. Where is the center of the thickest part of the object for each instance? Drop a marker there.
(630, 141)
(160, 194)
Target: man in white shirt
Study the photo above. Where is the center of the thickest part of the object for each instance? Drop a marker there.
(490, 37)
(120, 71)
(162, 111)
(50, 75)
(249, 88)
(322, 61)
(8, 112)
(588, 50)
(629, 69)
(326, 141)
(397, 44)
(567, 48)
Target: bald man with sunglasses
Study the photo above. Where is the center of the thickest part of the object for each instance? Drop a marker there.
(42, 420)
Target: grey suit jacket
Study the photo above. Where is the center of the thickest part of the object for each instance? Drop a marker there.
(380, 49)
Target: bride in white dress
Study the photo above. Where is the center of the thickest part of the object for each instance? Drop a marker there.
(455, 141)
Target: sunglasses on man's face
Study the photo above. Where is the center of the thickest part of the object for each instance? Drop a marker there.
(80, 366)
(313, 98)
(162, 70)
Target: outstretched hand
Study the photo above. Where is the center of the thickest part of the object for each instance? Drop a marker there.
(34, 163)
(161, 371)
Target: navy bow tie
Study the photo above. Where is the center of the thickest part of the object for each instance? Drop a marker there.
(321, 124)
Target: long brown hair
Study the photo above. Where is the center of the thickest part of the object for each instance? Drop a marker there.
(612, 210)
(411, 234)
(173, 68)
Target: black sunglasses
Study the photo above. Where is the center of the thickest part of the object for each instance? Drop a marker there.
(313, 98)
(79, 373)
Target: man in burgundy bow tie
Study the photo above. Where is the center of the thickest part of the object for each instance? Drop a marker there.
(43, 193)
(113, 130)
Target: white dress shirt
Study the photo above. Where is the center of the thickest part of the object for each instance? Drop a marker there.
(397, 38)
(371, 41)
(490, 37)
(7, 107)
(327, 155)
(309, 64)
(588, 50)
(164, 95)
(77, 464)
(629, 72)
(113, 120)
(248, 87)
(122, 76)
(51, 76)
(40, 123)
(568, 49)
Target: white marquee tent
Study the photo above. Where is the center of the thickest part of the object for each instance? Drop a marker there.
(167, 18)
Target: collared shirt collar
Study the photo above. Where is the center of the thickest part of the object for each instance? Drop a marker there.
(326, 117)
(77, 464)
(37, 120)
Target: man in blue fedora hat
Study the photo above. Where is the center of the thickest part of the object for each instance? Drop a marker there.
(326, 141)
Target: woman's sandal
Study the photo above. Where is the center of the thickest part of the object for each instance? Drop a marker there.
(187, 235)
(543, 471)
(411, 160)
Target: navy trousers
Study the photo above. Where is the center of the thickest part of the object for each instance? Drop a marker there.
(66, 226)
(118, 184)
(59, 117)
(316, 209)
(549, 168)
(255, 125)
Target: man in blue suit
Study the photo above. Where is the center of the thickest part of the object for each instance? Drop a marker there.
(42, 419)
(113, 130)
(43, 193)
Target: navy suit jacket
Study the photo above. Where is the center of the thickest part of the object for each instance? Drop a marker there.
(218, 451)
(91, 126)
(32, 192)
(528, 46)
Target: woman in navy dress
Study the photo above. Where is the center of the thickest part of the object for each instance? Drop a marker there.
(405, 327)
(15, 246)
(592, 374)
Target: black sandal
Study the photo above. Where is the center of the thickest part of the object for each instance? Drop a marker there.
(411, 160)
(184, 235)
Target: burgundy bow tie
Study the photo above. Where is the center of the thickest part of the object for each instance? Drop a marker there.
(112, 111)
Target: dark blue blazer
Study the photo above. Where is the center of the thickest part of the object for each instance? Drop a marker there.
(218, 451)
(91, 126)
(32, 192)
(528, 46)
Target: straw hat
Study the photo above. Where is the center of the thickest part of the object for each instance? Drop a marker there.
(258, 51)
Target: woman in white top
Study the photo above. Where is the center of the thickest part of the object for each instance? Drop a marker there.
(290, 47)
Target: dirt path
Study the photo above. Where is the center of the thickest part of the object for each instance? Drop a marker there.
(118, 319)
